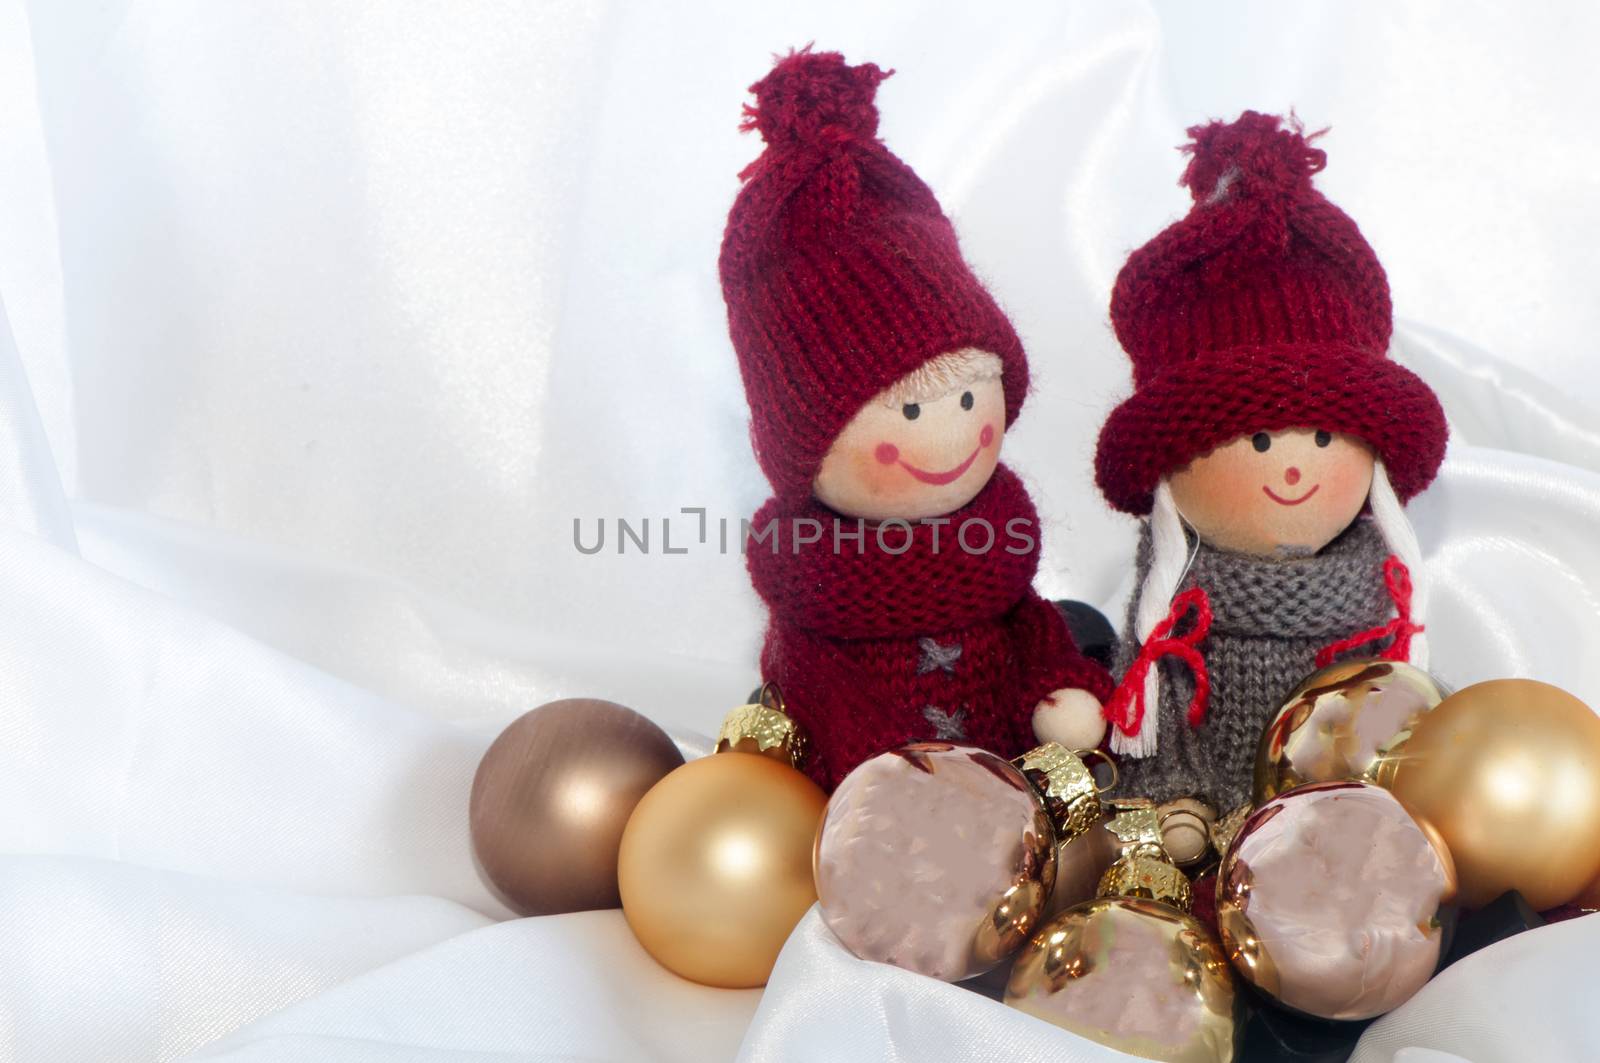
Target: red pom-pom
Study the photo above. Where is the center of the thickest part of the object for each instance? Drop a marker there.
(1254, 156)
(815, 98)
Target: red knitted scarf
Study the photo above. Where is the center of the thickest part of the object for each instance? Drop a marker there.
(899, 579)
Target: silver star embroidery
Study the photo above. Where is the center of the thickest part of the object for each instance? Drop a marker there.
(938, 658)
(946, 724)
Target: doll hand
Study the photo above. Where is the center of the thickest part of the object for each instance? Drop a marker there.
(1071, 717)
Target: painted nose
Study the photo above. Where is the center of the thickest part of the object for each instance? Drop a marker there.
(1291, 476)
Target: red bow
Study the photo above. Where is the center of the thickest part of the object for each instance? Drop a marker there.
(1126, 708)
(1397, 578)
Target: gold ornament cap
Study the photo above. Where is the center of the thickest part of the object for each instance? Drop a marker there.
(1149, 879)
(1136, 823)
(1064, 783)
(762, 727)
(1224, 830)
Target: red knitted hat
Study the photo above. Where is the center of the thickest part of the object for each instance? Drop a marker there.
(840, 272)
(1263, 309)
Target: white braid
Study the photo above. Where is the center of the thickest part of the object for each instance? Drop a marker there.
(1169, 561)
(1395, 527)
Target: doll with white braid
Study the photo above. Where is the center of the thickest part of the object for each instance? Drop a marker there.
(1269, 445)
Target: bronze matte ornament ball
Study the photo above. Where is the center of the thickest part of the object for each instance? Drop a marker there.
(552, 795)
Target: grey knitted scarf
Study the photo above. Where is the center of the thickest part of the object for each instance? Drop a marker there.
(1270, 617)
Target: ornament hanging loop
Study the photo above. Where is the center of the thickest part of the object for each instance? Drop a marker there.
(1086, 755)
(770, 696)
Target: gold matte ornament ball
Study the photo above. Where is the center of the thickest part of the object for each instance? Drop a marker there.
(715, 867)
(1589, 899)
(1508, 772)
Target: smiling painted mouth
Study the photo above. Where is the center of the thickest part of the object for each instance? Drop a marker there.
(949, 476)
(1289, 501)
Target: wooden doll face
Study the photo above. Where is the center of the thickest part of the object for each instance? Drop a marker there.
(923, 447)
(1274, 494)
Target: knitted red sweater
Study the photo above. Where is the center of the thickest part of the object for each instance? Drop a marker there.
(874, 646)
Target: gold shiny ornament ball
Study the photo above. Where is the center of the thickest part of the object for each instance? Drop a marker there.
(935, 857)
(715, 866)
(1135, 975)
(1345, 721)
(1080, 864)
(1589, 899)
(1508, 772)
(1328, 900)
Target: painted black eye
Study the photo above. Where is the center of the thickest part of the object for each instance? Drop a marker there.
(1324, 438)
(1262, 442)
(911, 410)
(966, 400)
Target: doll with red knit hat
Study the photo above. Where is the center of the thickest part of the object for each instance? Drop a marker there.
(1269, 446)
(896, 556)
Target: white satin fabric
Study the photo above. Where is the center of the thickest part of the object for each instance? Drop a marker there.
(323, 321)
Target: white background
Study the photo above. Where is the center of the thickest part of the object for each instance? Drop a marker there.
(326, 319)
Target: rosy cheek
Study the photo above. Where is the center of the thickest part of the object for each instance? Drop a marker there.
(1345, 487)
(878, 471)
(986, 436)
(1234, 491)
